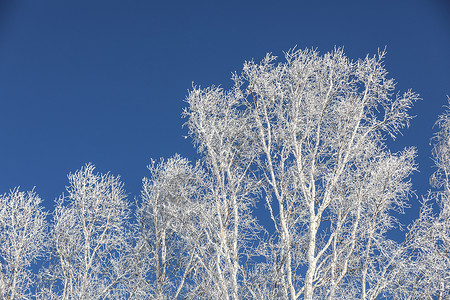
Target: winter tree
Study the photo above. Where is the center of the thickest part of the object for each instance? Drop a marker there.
(221, 133)
(312, 131)
(23, 235)
(89, 239)
(169, 231)
(429, 236)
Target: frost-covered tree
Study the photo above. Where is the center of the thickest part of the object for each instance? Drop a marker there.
(312, 131)
(429, 236)
(169, 232)
(221, 132)
(23, 237)
(89, 239)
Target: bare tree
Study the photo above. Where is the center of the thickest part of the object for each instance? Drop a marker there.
(315, 127)
(168, 231)
(220, 131)
(23, 236)
(89, 239)
(429, 236)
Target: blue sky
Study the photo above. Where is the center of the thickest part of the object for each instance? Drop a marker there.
(104, 81)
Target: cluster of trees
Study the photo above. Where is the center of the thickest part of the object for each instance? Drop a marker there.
(301, 141)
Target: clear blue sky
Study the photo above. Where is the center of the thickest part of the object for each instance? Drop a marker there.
(104, 81)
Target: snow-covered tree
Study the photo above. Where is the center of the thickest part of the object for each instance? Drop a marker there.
(23, 237)
(312, 129)
(89, 239)
(429, 236)
(169, 232)
(220, 130)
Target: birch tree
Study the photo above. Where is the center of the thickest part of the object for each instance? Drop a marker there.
(169, 230)
(89, 239)
(315, 128)
(23, 235)
(320, 123)
(220, 131)
(429, 236)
